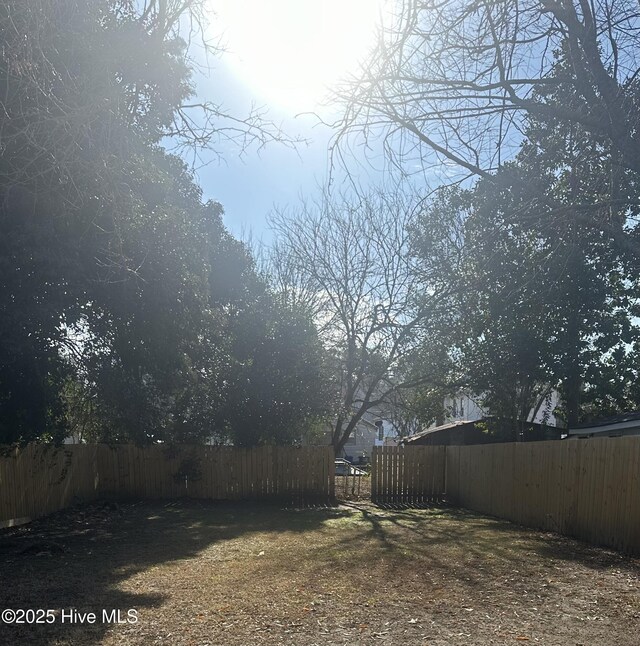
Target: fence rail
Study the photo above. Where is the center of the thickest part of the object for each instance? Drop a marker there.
(40, 479)
(407, 475)
(588, 489)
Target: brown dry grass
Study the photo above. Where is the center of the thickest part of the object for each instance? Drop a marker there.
(207, 574)
(353, 488)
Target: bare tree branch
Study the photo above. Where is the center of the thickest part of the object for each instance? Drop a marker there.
(451, 81)
(374, 304)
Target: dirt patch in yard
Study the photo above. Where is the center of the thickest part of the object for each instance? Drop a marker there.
(218, 575)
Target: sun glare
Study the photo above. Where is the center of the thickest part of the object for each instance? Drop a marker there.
(290, 51)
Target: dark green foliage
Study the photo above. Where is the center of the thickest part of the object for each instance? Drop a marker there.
(547, 298)
(123, 300)
(278, 390)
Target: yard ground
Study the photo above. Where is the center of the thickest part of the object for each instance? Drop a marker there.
(217, 574)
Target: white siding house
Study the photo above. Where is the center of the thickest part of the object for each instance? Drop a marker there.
(467, 407)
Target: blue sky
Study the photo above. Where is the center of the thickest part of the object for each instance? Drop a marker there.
(268, 67)
(251, 185)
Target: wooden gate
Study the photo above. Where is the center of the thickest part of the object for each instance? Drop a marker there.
(408, 475)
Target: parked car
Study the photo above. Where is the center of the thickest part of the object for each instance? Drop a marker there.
(345, 468)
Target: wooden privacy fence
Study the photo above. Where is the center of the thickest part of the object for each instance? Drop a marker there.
(40, 479)
(588, 489)
(407, 475)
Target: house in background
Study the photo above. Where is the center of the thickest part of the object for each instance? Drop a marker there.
(360, 444)
(616, 426)
(374, 429)
(466, 422)
(468, 407)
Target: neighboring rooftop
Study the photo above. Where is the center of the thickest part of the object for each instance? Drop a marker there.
(471, 432)
(614, 419)
(436, 429)
(620, 424)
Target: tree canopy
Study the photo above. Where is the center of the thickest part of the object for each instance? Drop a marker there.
(545, 302)
(451, 84)
(128, 311)
(527, 113)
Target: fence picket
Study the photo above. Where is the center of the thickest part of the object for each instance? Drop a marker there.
(588, 488)
(407, 475)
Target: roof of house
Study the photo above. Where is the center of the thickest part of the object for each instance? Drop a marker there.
(460, 423)
(366, 422)
(437, 429)
(604, 424)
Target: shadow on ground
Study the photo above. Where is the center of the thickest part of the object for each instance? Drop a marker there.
(77, 559)
(88, 559)
(476, 535)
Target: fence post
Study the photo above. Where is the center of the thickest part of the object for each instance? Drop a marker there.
(374, 474)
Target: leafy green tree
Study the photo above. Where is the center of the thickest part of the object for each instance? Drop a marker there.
(280, 388)
(121, 293)
(546, 301)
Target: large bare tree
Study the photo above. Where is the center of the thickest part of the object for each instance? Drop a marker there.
(350, 263)
(451, 82)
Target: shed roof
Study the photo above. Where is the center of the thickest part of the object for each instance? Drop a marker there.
(437, 429)
(613, 419)
(462, 423)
